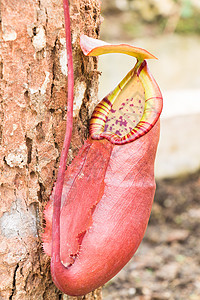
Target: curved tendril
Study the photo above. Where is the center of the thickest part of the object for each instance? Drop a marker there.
(55, 259)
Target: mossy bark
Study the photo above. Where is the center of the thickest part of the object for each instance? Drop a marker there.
(33, 74)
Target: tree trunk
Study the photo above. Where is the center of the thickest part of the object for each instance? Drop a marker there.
(32, 126)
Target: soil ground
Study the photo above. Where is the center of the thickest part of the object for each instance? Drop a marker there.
(167, 263)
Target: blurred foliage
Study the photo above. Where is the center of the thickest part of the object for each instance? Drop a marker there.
(189, 25)
(155, 16)
(186, 9)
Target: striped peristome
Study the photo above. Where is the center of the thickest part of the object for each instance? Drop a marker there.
(114, 118)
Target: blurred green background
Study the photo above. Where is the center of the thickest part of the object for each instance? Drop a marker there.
(135, 18)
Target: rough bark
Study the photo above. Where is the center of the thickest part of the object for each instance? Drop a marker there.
(32, 125)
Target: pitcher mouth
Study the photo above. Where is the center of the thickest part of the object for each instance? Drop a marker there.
(130, 110)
